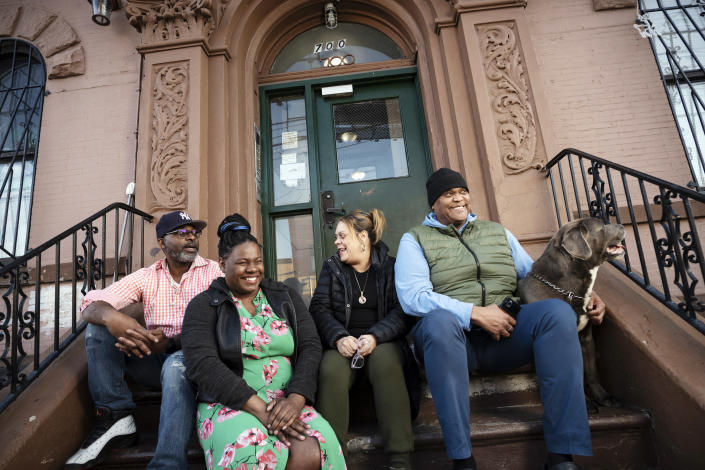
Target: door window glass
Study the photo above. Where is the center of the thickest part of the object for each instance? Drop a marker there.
(296, 266)
(289, 151)
(369, 140)
(349, 43)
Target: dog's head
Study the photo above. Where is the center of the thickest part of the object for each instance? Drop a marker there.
(591, 240)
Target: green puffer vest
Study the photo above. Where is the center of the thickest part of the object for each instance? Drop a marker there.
(454, 270)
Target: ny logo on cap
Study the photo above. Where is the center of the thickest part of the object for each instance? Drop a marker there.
(184, 216)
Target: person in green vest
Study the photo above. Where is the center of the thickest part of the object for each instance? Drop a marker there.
(453, 271)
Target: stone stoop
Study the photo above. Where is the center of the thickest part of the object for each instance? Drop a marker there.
(506, 431)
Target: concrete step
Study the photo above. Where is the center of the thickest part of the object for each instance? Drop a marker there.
(506, 430)
(511, 437)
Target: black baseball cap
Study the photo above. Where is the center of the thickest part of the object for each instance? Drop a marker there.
(174, 220)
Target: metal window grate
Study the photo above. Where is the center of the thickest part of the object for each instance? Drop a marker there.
(676, 31)
(369, 120)
(22, 82)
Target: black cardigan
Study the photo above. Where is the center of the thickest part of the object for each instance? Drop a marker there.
(212, 345)
(332, 299)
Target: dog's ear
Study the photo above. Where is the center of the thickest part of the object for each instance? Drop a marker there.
(575, 243)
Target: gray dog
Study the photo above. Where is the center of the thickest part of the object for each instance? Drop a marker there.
(566, 270)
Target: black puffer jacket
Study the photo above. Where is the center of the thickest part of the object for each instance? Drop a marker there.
(331, 307)
(332, 300)
(213, 351)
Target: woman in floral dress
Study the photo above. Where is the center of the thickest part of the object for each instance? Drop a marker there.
(252, 349)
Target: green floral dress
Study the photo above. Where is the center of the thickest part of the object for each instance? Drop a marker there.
(235, 439)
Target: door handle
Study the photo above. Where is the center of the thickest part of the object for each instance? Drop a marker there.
(329, 211)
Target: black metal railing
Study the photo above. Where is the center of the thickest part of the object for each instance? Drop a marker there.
(676, 31)
(668, 262)
(39, 302)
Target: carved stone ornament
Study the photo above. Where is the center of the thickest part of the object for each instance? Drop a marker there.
(165, 20)
(510, 97)
(223, 6)
(52, 35)
(169, 135)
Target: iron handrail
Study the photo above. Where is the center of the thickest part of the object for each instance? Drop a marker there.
(19, 261)
(700, 197)
(20, 325)
(677, 247)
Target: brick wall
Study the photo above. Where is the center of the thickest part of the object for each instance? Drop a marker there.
(87, 141)
(603, 87)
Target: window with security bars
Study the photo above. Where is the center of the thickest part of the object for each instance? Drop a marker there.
(676, 30)
(22, 81)
(369, 140)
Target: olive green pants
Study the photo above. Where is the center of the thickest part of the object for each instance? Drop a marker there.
(385, 372)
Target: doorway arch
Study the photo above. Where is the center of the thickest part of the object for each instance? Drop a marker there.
(269, 29)
(254, 32)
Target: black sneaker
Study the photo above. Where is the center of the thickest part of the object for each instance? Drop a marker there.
(112, 430)
(562, 466)
(465, 464)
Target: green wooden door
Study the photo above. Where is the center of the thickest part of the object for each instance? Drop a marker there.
(372, 153)
(366, 149)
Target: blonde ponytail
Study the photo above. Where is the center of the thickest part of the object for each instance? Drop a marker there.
(379, 223)
(372, 222)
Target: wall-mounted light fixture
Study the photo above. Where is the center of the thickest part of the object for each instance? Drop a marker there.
(102, 10)
(330, 15)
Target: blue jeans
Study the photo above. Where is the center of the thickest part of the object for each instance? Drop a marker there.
(106, 379)
(545, 333)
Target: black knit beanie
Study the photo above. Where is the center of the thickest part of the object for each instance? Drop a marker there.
(442, 180)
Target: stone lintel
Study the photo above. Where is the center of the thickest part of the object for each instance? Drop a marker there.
(51, 34)
(598, 5)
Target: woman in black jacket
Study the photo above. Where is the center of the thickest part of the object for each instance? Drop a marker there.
(362, 326)
(251, 347)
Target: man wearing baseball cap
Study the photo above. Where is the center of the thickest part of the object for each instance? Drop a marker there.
(454, 271)
(146, 344)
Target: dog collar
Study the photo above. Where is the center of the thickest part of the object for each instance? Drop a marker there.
(571, 295)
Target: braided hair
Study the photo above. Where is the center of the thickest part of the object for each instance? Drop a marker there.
(234, 230)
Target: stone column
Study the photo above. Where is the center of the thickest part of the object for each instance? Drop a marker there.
(173, 145)
(511, 120)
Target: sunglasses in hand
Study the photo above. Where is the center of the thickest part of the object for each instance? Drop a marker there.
(357, 361)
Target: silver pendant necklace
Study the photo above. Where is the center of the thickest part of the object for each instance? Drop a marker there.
(362, 299)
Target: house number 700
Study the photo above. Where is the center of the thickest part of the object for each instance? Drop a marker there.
(329, 46)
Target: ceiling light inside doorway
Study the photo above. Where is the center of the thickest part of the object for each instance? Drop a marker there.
(358, 175)
(330, 16)
(348, 137)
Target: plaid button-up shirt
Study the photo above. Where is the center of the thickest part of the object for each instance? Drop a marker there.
(164, 300)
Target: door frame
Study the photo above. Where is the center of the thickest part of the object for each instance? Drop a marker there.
(268, 210)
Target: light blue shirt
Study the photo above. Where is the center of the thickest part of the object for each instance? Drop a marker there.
(413, 277)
